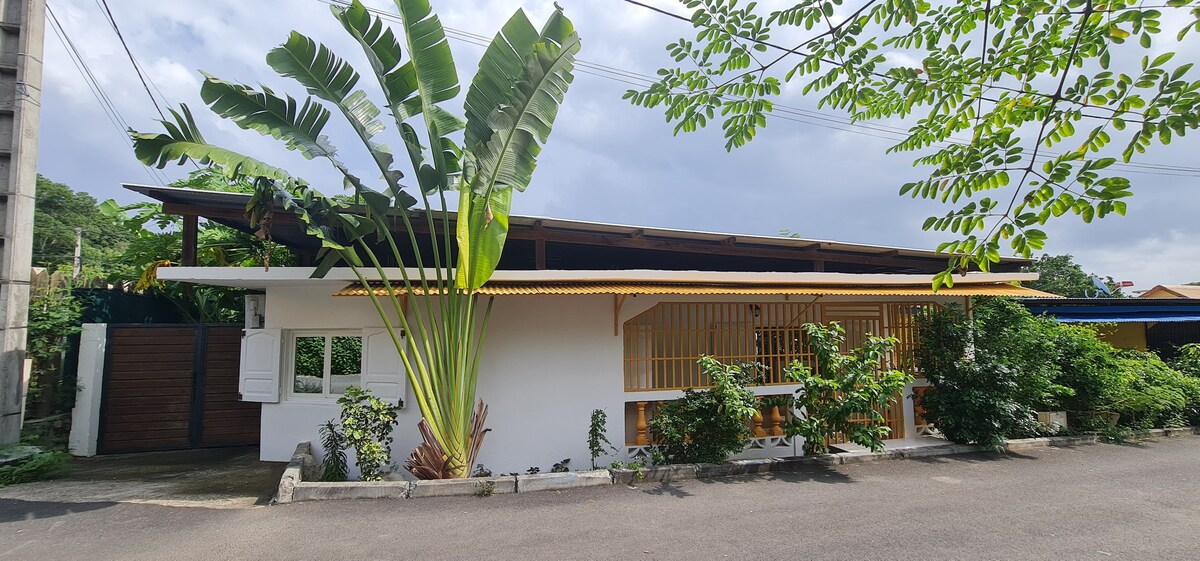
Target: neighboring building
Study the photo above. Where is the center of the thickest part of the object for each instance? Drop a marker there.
(1155, 324)
(1173, 291)
(587, 316)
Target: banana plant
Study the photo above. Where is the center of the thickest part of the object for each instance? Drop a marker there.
(485, 155)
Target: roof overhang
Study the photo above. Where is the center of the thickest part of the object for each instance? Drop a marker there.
(628, 282)
(228, 209)
(714, 289)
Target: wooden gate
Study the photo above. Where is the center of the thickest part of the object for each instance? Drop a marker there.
(168, 387)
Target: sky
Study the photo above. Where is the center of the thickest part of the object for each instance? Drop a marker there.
(606, 160)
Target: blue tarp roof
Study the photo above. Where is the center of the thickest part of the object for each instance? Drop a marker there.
(1104, 310)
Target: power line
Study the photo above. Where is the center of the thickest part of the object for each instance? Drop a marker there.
(779, 111)
(89, 78)
(103, 4)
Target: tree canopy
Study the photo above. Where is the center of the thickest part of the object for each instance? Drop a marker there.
(58, 210)
(1018, 112)
(1061, 275)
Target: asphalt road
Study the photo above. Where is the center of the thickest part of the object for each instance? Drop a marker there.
(1091, 502)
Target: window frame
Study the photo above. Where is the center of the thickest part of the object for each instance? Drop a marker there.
(289, 373)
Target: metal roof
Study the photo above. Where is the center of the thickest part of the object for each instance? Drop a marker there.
(1117, 310)
(629, 288)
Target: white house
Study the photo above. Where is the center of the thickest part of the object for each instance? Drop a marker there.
(617, 336)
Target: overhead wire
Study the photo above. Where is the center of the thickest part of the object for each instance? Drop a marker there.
(89, 78)
(779, 111)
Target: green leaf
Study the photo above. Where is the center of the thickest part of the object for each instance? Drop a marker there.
(183, 141)
(507, 159)
(271, 115)
(330, 78)
(502, 66)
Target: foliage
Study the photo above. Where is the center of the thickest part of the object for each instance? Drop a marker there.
(481, 471)
(333, 464)
(1019, 363)
(367, 423)
(1035, 98)
(598, 443)
(58, 211)
(1154, 395)
(843, 390)
(990, 396)
(638, 467)
(156, 240)
(706, 426)
(1085, 364)
(510, 107)
(53, 318)
(40, 467)
(1187, 360)
(561, 466)
(1115, 435)
(1061, 275)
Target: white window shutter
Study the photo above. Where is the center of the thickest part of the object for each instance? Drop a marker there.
(383, 371)
(258, 379)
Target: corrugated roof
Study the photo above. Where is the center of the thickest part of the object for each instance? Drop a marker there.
(583, 288)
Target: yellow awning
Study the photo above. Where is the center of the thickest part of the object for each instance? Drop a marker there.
(524, 288)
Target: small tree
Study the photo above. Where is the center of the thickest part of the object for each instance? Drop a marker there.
(706, 426)
(845, 392)
(598, 443)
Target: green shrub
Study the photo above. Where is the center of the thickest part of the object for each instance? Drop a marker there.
(1019, 363)
(46, 465)
(367, 424)
(845, 386)
(990, 394)
(1153, 394)
(1089, 367)
(706, 426)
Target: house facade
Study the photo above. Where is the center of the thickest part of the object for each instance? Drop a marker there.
(621, 334)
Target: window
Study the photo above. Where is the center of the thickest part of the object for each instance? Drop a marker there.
(325, 364)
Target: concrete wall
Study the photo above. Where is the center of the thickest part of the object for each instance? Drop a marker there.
(548, 362)
(85, 417)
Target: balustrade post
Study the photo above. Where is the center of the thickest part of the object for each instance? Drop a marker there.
(776, 422)
(759, 432)
(643, 437)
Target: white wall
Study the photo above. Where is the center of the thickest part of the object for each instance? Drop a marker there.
(548, 362)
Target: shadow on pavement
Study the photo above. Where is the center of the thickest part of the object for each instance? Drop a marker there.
(806, 474)
(973, 458)
(12, 510)
(665, 488)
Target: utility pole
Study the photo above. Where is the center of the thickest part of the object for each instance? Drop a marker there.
(22, 28)
(77, 265)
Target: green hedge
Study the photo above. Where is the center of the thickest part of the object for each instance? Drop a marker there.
(993, 370)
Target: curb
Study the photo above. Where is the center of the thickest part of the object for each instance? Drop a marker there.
(293, 488)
